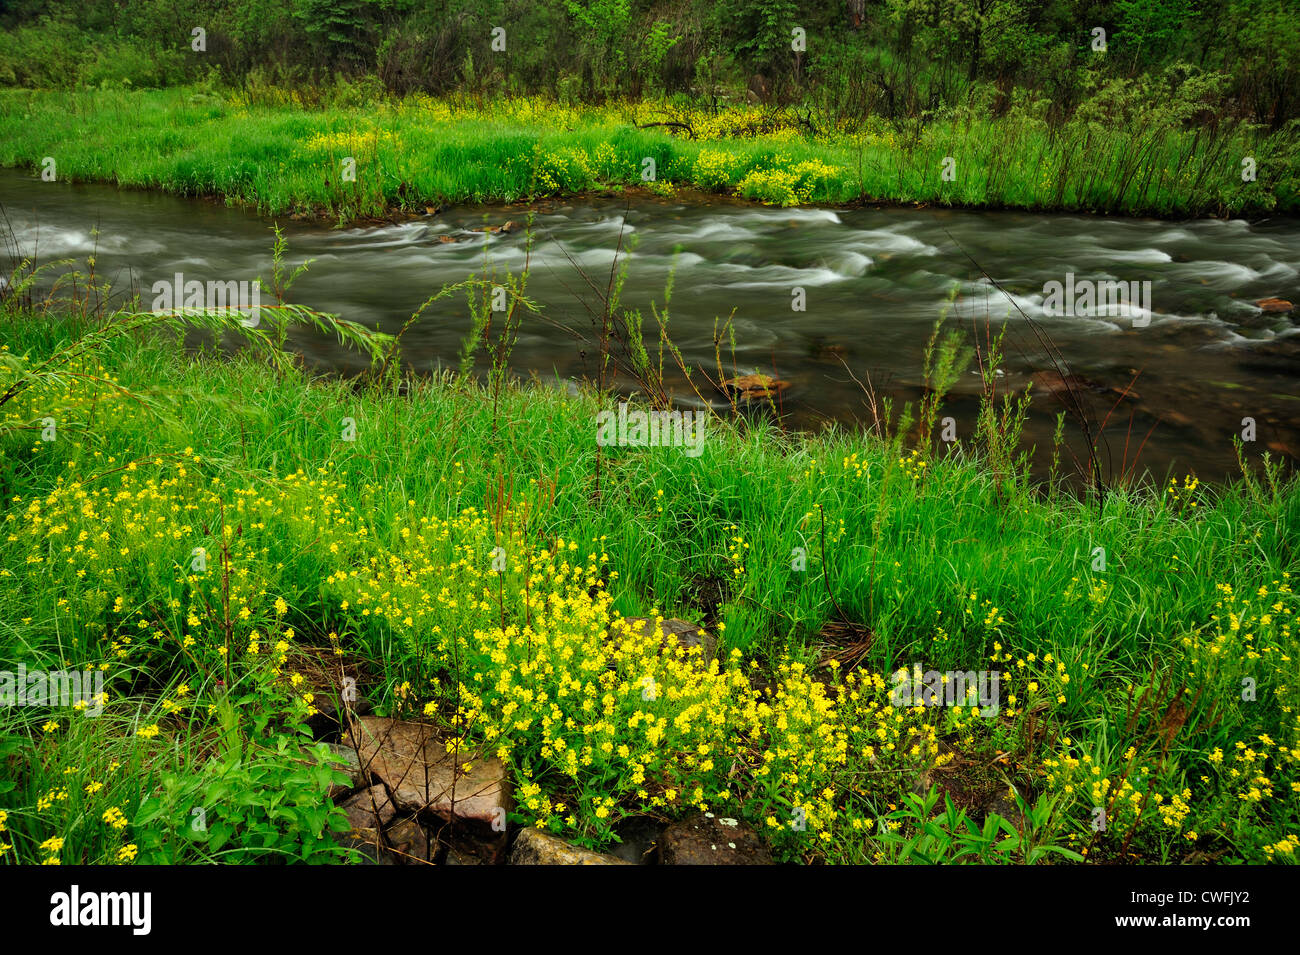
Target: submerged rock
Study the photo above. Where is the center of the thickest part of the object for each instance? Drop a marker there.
(755, 387)
(1065, 386)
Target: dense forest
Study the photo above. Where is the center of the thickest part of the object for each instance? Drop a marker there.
(1218, 60)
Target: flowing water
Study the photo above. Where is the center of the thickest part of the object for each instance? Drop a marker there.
(874, 281)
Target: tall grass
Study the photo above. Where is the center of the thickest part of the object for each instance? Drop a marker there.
(941, 561)
(414, 153)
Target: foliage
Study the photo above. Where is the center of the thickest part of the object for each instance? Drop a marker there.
(1121, 690)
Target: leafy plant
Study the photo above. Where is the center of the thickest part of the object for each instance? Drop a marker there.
(915, 833)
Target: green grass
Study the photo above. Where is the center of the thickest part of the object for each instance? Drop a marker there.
(282, 156)
(947, 566)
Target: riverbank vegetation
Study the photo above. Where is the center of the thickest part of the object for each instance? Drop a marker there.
(1184, 112)
(213, 531)
(416, 154)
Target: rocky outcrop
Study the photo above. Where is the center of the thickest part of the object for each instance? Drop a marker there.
(416, 804)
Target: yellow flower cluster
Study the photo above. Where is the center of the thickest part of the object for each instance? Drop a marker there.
(1247, 654)
(71, 815)
(53, 409)
(1184, 495)
(786, 184)
(354, 142)
(913, 465)
(736, 550)
(599, 718)
(714, 170)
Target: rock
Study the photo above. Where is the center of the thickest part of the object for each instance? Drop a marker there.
(755, 387)
(829, 351)
(534, 847)
(1055, 383)
(473, 845)
(1275, 305)
(366, 841)
(410, 843)
(346, 758)
(370, 809)
(706, 839)
(452, 238)
(639, 840)
(676, 632)
(412, 760)
(1003, 803)
(457, 857)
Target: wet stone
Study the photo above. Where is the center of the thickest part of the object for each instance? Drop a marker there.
(706, 839)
